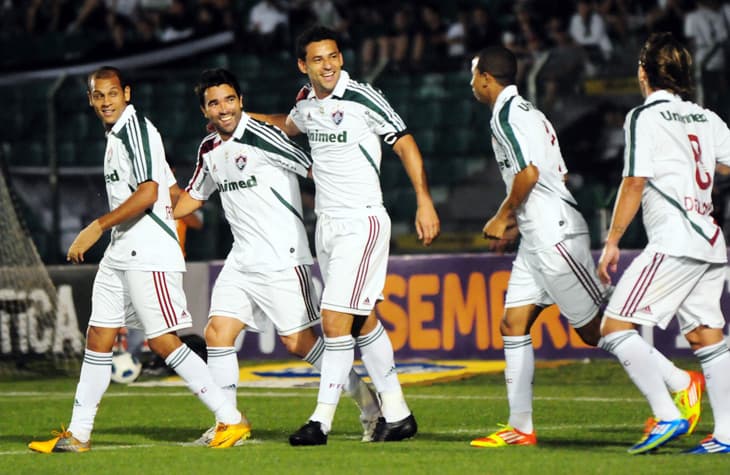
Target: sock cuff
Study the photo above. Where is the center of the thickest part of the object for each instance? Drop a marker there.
(97, 358)
(339, 343)
(220, 351)
(175, 358)
(709, 355)
(316, 352)
(613, 340)
(514, 342)
(365, 340)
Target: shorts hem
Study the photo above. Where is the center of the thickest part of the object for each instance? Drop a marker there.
(348, 310)
(168, 330)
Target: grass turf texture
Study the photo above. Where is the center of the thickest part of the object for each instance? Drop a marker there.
(586, 416)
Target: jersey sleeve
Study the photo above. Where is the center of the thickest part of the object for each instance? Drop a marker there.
(722, 140)
(278, 148)
(144, 147)
(296, 115)
(169, 176)
(639, 145)
(510, 131)
(201, 185)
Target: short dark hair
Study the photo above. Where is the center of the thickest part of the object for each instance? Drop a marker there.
(668, 64)
(106, 72)
(498, 62)
(310, 35)
(215, 77)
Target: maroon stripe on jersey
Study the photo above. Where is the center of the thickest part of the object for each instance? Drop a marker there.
(304, 285)
(362, 270)
(641, 285)
(581, 273)
(208, 144)
(160, 299)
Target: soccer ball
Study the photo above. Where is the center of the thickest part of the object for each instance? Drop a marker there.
(125, 368)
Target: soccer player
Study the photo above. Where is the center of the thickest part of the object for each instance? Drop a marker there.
(344, 121)
(553, 262)
(139, 280)
(267, 273)
(672, 149)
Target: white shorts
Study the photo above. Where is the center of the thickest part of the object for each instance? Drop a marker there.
(656, 286)
(564, 274)
(287, 298)
(352, 254)
(153, 301)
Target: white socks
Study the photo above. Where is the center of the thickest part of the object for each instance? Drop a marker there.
(377, 356)
(223, 366)
(519, 372)
(635, 355)
(355, 387)
(193, 370)
(715, 361)
(339, 353)
(675, 379)
(96, 372)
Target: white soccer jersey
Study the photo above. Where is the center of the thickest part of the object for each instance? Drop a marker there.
(135, 154)
(260, 194)
(521, 135)
(344, 132)
(676, 144)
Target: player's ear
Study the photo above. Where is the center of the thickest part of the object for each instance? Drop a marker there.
(302, 66)
(205, 114)
(127, 94)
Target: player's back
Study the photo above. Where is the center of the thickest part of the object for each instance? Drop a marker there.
(675, 144)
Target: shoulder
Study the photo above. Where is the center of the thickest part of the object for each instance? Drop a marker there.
(207, 144)
(365, 94)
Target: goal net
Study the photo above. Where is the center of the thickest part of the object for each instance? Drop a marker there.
(36, 335)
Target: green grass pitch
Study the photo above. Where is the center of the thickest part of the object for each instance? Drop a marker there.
(586, 415)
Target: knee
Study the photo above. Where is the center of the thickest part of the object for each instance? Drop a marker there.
(164, 345)
(299, 343)
(509, 327)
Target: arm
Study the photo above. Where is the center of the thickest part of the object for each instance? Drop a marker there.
(283, 121)
(427, 220)
(143, 198)
(186, 205)
(503, 219)
(627, 205)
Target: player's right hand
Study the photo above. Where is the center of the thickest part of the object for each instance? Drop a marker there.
(85, 239)
(608, 262)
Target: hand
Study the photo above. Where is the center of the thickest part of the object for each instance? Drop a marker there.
(496, 227)
(85, 239)
(506, 242)
(608, 262)
(428, 225)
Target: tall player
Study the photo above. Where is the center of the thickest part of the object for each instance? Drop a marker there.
(140, 276)
(266, 275)
(344, 121)
(672, 149)
(553, 263)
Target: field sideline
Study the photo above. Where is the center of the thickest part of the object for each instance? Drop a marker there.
(586, 415)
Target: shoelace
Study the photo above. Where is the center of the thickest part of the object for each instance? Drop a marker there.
(62, 434)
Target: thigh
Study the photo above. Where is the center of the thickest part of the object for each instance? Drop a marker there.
(158, 301)
(652, 289)
(702, 305)
(523, 289)
(356, 252)
(287, 298)
(568, 274)
(109, 298)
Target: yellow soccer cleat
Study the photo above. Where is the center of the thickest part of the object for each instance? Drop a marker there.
(689, 400)
(226, 435)
(505, 436)
(63, 441)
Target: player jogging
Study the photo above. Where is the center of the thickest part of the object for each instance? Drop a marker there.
(139, 280)
(672, 149)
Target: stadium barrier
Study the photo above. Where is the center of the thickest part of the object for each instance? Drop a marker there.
(444, 306)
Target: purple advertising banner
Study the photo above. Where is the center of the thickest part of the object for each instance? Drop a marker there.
(449, 306)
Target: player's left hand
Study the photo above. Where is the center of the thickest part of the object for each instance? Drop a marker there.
(496, 227)
(85, 239)
(428, 225)
(506, 242)
(608, 262)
